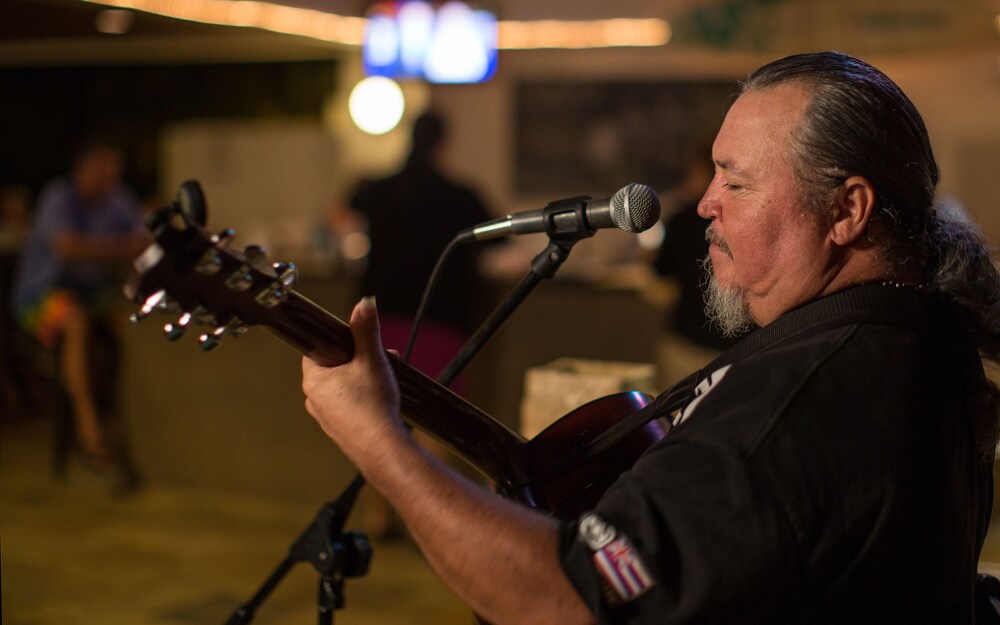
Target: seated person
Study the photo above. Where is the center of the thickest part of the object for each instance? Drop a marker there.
(86, 224)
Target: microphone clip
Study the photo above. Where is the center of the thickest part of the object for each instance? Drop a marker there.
(566, 220)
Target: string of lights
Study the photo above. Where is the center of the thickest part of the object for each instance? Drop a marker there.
(350, 30)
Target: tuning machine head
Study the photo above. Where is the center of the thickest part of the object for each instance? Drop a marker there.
(241, 279)
(256, 257)
(284, 277)
(210, 262)
(174, 331)
(288, 273)
(211, 340)
(158, 301)
(224, 238)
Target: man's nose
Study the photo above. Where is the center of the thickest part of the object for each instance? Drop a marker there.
(708, 207)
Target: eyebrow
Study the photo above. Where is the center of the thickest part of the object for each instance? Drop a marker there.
(728, 166)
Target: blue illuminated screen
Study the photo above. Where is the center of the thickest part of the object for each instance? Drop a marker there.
(441, 43)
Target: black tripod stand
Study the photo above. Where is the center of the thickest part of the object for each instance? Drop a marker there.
(337, 556)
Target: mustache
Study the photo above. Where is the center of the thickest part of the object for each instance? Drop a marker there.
(712, 236)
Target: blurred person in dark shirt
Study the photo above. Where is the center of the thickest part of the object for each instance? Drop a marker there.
(412, 216)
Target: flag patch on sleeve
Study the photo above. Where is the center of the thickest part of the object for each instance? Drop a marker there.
(616, 560)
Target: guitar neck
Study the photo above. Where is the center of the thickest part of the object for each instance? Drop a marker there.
(487, 444)
(201, 273)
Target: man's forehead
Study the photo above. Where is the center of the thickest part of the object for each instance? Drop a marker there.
(758, 120)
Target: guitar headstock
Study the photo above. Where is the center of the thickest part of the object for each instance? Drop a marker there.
(202, 278)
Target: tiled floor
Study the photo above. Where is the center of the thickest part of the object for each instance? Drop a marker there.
(72, 553)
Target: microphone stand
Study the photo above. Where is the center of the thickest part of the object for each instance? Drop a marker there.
(338, 555)
(543, 267)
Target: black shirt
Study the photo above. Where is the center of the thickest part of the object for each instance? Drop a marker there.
(831, 476)
(412, 217)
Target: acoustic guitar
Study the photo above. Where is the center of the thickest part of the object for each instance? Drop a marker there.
(205, 282)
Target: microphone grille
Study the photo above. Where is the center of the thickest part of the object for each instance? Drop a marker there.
(635, 208)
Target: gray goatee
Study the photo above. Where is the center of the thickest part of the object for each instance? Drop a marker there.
(726, 307)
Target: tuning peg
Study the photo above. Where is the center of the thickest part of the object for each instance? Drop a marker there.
(254, 253)
(271, 296)
(256, 257)
(203, 316)
(174, 331)
(153, 302)
(208, 342)
(209, 264)
(241, 279)
(224, 238)
(288, 273)
(211, 340)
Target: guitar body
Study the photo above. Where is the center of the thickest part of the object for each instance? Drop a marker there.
(198, 276)
(565, 483)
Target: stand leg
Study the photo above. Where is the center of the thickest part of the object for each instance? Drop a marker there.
(324, 544)
(245, 613)
(331, 598)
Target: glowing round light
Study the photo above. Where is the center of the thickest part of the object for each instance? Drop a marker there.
(355, 246)
(376, 105)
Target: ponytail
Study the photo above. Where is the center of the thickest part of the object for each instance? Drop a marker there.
(960, 266)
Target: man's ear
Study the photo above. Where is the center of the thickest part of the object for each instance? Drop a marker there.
(853, 208)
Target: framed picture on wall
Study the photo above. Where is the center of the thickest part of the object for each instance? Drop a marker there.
(592, 138)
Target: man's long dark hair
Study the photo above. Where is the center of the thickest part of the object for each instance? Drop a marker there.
(859, 122)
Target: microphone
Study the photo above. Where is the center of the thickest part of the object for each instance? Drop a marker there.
(634, 208)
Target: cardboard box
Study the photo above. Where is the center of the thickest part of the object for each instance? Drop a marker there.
(559, 387)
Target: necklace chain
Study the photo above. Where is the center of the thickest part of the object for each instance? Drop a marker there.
(900, 285)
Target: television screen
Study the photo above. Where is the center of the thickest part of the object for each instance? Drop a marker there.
(441, 43)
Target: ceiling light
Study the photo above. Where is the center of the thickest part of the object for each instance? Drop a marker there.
(588, 34)
(349, 30)
(249, 13)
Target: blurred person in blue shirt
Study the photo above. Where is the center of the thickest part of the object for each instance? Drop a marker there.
(87, 226)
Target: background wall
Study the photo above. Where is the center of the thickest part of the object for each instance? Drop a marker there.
(261, 120)
(958, 94)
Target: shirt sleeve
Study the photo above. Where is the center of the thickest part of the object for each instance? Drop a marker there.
(686, 536)
(54, 213)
